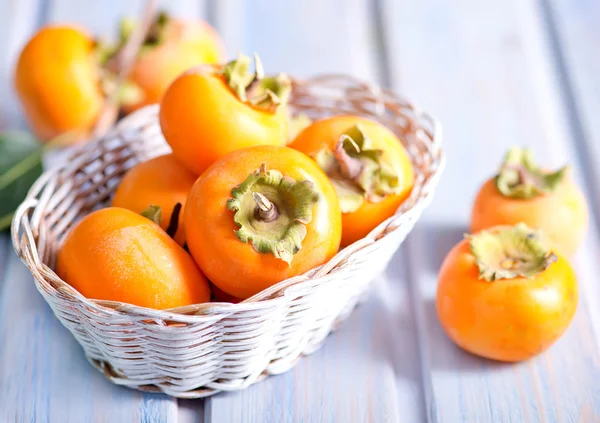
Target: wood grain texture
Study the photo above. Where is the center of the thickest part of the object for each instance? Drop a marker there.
(369, 369)
(44, 375)
(484, 69)
(574, 33)
(18, 19)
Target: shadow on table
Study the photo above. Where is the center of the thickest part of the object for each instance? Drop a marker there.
(435, 240)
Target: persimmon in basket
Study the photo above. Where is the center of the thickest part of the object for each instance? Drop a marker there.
(506, 293)
(57, 81)
(157, 188)
(207, 113)
(368, 166)
(524, 192)
(261, 215)
(171, 47)
(118, 255)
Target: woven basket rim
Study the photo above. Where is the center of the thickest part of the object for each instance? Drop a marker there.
(199, 312)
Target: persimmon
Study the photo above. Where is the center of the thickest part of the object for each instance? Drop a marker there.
(368, 166)
(523, 192)
(261, 215)
(220, 296)
(56, 79)
(118, 255)
(505, 293)
(157, 187)
(207, 113)
(171, 47)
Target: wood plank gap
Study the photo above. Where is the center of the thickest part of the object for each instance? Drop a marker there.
(385, 80)
(571, 109)
(43, 13)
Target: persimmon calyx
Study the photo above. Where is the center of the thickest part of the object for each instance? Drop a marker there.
(520, 177)
(357, 171)
(154, 213)
(272, 211)
(264, 93)
(511, 252)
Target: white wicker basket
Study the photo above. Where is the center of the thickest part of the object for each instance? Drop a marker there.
(199, 350)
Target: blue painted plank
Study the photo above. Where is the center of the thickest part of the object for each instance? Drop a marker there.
(369, 369)
(43, 373)
(485, 70)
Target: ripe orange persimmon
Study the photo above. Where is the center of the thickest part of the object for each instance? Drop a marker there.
(522, 192)
(261, 215)
(504, 294)
(57, 82)
(207, 113)
(118, 255)
(172, 47)
(155, 187)
(366, 163)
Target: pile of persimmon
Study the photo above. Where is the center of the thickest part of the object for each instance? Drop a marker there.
(63, 74)
(237, 206)
(507, 292)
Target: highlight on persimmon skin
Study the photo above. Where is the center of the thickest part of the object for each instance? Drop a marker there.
(506, 294)
(162, 182)
(117, 255)
(370, 169)
(550, 201)
(207, 113)
(173, 46)
(259, 216)
(57, 82)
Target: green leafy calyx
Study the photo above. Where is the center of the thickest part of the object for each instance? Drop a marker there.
(357, 171)
(272, 211)
(510, 252)
(520, 177)
(264, 93)
(154, 213)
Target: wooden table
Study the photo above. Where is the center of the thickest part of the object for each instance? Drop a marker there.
(496, 73)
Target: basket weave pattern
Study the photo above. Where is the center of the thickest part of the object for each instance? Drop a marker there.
(196, 351)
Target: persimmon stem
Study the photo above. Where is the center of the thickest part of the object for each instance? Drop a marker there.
(265, 209)
(174, 221)
(126, 57)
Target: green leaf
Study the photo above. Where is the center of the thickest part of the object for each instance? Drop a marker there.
(20, 166)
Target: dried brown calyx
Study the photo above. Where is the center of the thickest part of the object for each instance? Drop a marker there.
(272, 211)
(112, 56)
(510, 252)
(357, 171)
(520, 177)
(154, 213)
(264, 93)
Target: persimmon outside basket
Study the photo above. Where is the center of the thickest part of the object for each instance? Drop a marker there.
(199, 350)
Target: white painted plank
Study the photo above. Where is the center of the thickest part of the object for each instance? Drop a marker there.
(574, 29)
(17, 20)
(43, 372)
(484, 69)
(369, 369)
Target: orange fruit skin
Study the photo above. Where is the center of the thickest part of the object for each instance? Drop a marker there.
(326, 134)
(508, 319)
(562, 215)
(57, 83)
(118, 255)
(186, 44)
(203, 121)
(162, 181)
(234, 266)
